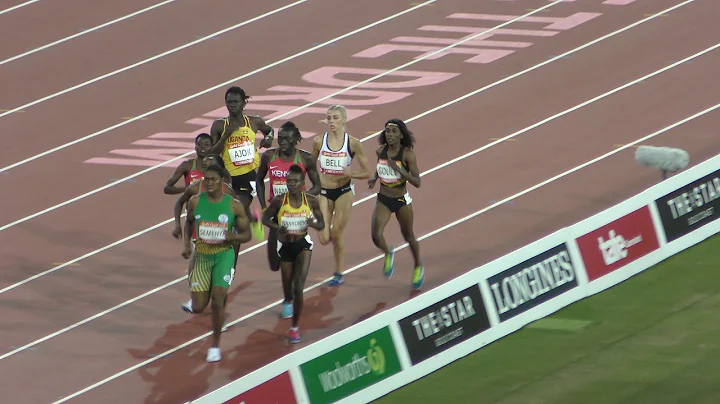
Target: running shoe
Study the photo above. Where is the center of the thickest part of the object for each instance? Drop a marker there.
(287, 310)
(418, 276)
(294, 335)
(389, 264)
(213, 355)
(336, 280)
(187, 307)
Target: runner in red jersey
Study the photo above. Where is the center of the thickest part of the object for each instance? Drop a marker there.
(192, 170)
(276, 162)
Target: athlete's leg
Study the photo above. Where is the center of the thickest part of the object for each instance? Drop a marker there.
(272, 254)
(218, 313)
(340, 219)
(200, 282)
(381, 216)
(405, 218)
(326, 207)
(286, 268)
(223, 274)
(301, 266)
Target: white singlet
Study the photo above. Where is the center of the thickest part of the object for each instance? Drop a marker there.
(333, 162)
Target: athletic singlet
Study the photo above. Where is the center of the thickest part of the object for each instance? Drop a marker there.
(295, 219)
(333, 162)
(388, 177)
(193, 175)
(212, 221)
(240, 155)
(278, 170)
(201, 189)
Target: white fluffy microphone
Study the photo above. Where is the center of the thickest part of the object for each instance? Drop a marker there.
(665, 159)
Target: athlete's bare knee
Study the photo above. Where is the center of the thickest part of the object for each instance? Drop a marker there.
(218, 302)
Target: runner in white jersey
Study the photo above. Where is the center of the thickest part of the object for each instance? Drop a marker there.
(336, 150)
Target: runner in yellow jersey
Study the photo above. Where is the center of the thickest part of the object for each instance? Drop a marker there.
(295, 211)
(213, 213)
(396, 167)
(234, 138)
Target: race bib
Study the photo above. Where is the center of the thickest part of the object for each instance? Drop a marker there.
(212, 233)
(294, 224)
(333, 163)
(386, 174)
(279, 188)
(242, 154)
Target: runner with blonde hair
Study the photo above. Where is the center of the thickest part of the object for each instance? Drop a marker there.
(336, 150)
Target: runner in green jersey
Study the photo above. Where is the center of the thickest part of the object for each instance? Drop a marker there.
(213, 213)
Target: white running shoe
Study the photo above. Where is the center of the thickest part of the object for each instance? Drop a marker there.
(187, 307)
(213, 355)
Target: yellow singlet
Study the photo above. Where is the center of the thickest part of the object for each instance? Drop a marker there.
(295, 219)
(240, 155)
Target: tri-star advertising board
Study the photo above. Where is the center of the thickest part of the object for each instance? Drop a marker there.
(444, 324)
(618, 243)
(532, 282)
(690, 207)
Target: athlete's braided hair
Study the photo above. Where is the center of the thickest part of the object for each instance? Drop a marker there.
(408, 139)
(237, 91)
(290, 127)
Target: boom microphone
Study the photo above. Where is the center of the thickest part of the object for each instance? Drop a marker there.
(665, 159)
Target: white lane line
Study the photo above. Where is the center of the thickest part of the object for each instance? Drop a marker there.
(355, 203)
(27, 3)
(120, 181)
(445, 105)
(134, 65)
(231, 81)
(87, 31)
(379, 257)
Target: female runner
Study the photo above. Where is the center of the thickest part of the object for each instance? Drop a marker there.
(396, 166)
(336, 151)
(295, 211)
(276, 162)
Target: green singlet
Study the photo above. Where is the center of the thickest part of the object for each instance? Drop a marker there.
(215, 259)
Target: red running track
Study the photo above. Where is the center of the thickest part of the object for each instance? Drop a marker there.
(90, 312)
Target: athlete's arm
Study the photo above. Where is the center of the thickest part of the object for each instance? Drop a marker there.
(182, 170)
(259, 125)
(242, 224)
(312, 172)
(272, 211)
(373, 180)
(261, 173)
(412, 174)
(318, 223)
(181, 201)
(317, 145)
(189, 223)
(365, 171)
(217, 137)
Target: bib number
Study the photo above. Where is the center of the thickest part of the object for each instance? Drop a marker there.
(387, 175)
(279, 188)
(211, 233)
(333, 165)
(242, 154)
(294, 224)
